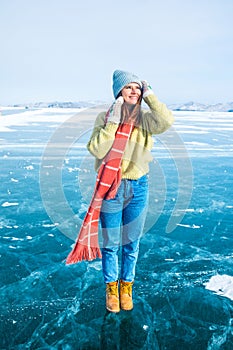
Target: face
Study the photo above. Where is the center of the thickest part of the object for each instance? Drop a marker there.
(131, 93)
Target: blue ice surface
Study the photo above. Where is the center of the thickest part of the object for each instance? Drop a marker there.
(48, 305)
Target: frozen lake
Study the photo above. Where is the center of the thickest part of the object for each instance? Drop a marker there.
(183, 290)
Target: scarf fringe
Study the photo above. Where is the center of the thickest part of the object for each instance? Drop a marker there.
(82, 252)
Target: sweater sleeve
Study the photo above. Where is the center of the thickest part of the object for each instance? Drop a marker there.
(102, 137)
(159, 118)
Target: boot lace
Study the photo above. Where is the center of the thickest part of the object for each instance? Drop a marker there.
(112, 290)
(126, 289)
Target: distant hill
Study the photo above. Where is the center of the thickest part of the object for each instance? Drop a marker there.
(193, 106)
(189, 106)
(57, 104)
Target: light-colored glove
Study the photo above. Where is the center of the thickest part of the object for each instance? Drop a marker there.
(114, 114)
(146, 89)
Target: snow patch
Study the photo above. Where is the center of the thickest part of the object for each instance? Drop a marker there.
(190, 226)
(29, 167)
(8, 204)
(14, 180)
(222, 285)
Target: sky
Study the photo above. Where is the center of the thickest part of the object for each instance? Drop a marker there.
(67, 50)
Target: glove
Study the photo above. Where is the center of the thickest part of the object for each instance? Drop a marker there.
(114, 113)
(146, 89)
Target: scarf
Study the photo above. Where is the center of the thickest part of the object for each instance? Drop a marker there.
(107, 183)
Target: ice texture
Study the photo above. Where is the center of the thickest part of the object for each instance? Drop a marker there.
(183, 285)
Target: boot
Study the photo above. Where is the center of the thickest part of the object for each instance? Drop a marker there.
(126, 300)
(112, 297)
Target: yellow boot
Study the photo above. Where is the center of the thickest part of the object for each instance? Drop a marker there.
(112, 297)
(126, 301)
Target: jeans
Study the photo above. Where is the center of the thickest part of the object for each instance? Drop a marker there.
(122, 221)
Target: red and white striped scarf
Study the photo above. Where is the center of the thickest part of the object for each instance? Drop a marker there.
(107, 183)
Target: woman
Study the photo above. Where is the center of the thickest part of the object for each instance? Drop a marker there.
(122, 217)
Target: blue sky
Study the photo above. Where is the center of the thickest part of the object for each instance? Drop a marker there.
(67, 50)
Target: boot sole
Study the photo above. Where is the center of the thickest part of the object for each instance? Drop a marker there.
(114, 311)
(126, 309)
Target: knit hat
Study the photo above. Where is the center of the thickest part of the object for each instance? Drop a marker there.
(122, 78)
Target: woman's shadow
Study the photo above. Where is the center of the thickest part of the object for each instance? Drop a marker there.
(128, 330)
(116, 331)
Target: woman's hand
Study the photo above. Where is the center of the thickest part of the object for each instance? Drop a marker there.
(114, 114)
(146, 89)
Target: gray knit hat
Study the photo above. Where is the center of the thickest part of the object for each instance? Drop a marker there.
(122, 78)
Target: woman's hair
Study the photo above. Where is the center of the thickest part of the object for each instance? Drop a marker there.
(131, 113)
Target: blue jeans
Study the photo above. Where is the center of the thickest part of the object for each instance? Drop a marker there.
(122, 221)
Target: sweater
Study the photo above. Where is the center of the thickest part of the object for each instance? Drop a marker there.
(137, 156)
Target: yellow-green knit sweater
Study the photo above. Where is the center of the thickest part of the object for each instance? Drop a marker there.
(157, 119)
